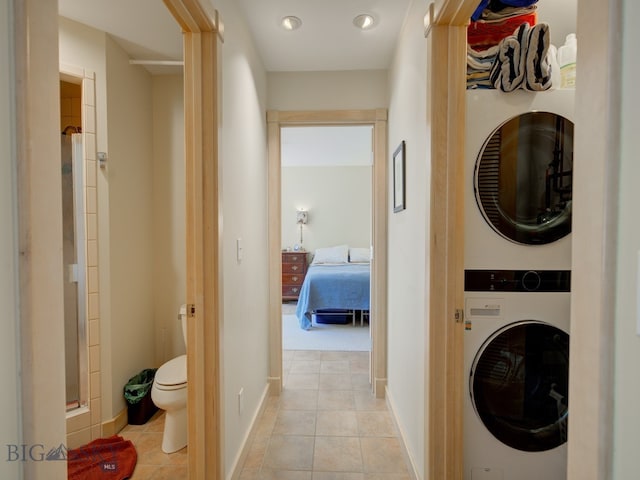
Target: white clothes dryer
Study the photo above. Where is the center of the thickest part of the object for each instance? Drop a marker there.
(518, 168)
(516, 360)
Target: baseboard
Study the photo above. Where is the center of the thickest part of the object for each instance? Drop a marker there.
(251, 433)
(275, 385)
(380, 387)
(117, 423)
(413, 471)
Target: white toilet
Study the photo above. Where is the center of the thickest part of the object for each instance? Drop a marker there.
(169, 393)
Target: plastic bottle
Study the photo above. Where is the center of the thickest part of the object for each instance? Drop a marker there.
(567, 61)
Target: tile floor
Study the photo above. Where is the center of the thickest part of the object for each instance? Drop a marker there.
(326, 425)
(153, 463)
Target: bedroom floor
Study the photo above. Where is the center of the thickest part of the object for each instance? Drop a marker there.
(326, 425)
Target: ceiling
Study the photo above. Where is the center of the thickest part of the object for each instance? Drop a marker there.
(327, 39)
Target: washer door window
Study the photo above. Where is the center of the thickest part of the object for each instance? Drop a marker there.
(519, 385)
(523, 178)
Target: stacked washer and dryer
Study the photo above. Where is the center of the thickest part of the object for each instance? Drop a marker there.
(517, 284)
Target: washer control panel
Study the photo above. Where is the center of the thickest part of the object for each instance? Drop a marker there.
(517, 280)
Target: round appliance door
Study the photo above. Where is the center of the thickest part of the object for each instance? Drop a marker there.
(523, 178)
(519, 385)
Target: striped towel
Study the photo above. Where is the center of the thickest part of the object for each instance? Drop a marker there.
(508, 70)
(479, 65)
(538, 74)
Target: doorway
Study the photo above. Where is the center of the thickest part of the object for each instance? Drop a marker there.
(73, 244)
(326, 208)
(277, 120)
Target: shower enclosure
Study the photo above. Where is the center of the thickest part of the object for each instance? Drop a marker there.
(74, 258)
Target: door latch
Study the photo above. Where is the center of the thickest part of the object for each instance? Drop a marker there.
(459, 315)
(191, 310)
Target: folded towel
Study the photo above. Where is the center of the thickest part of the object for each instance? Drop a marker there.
(484, 34)
(500, 8)
(479, 65)
(508, 71)
(497, 5)
(482, 59)
(508, 12)
(538, 75)
(478, 80)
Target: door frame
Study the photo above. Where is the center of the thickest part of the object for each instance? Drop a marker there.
(446, 31)
(202, 32)
(378, 308)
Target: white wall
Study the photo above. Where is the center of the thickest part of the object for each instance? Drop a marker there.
(338, 200)
(130, 179)
(627, 341)
(169, 198)
(327, 90)
(10, 432)
(408, 237)
(243, 155)
(561, 17)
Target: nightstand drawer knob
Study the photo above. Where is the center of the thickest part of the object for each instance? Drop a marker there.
(294, 290)
(294, 267)
(295, 279)
(295, 259)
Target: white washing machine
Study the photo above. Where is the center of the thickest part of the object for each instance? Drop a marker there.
(518, 168)
(516, 364)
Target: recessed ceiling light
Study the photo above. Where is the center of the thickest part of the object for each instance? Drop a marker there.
(364, 21)
(290, 22)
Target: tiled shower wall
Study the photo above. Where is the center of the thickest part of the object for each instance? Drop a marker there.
(84, 424)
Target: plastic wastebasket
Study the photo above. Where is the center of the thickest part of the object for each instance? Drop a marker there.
(137, 393)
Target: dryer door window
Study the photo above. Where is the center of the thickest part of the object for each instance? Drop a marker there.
(519, 385)
(523, 178)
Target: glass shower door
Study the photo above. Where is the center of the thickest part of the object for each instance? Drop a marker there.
(74, 258)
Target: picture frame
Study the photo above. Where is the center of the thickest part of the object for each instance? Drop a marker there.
(399, 184)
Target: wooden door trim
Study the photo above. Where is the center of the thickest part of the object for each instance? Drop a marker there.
(35, 79)
(201, 34)
(444, 357)
(378, 119)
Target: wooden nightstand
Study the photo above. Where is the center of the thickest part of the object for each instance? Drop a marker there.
(294, 268)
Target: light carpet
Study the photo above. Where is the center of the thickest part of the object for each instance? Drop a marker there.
(333, 337)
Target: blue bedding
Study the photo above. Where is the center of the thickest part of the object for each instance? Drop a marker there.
(344, 286)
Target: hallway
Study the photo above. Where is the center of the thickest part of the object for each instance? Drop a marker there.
(326, 425)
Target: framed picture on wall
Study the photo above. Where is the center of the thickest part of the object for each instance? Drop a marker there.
(399, 194)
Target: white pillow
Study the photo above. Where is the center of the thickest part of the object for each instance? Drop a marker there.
(359, 255)
(338, 254)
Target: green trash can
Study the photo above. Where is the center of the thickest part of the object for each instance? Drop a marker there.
(137, 393)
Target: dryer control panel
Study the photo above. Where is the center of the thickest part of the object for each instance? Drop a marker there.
(517, 280)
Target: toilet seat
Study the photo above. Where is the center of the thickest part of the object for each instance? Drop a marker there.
(173, 374)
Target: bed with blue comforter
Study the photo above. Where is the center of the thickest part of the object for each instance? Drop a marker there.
(326, 287)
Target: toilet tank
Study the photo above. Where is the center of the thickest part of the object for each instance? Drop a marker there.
(182, 316)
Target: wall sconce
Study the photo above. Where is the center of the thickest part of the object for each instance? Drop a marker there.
(302, 217)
